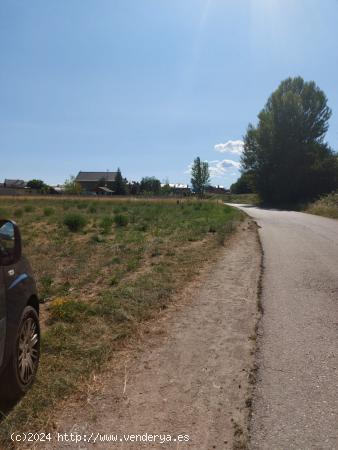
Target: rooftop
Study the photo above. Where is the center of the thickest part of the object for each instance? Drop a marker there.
(96, 176)
(15, 183)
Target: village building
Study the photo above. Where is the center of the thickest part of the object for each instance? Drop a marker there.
(96, 182)
(14, 184)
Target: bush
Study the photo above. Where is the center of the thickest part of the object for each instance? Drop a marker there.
(114, 281)
(74, 222)
(92, 209)
(106, 224)
(48, 211)
(121, 220)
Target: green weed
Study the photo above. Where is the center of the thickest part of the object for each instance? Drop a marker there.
(74, 222)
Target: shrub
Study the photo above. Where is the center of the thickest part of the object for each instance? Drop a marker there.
(92, 209)
(48, 211)
(106, 224)
(114, 280)
(121, 220)
(46, 286)
(74, 222)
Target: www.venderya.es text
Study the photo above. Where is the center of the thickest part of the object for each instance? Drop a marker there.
(92, 437)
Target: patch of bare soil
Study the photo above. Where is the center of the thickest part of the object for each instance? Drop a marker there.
(187, 373)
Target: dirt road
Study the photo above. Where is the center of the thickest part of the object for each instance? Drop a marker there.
(296, 399)
(190, 375)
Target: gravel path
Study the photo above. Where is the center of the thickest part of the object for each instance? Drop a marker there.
(190, 376)
(296, 399)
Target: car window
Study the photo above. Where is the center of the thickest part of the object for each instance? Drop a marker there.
(7, 241)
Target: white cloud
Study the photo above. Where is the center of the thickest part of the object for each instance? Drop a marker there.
(223, 167)
(220, 168)
(235, 147)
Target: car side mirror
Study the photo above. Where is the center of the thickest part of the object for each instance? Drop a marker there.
(10, 243)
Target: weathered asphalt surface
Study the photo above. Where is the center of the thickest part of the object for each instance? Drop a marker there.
(296, 399)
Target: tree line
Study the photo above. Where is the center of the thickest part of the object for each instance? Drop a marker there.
(200, 179)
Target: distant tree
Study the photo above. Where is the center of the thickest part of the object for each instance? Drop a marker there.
(200, 176)
(150, 185)
(134, 188)
(119, 184)
(286, 152)
(36, 184)
(71, 186)
(244, 184)
(165, 188)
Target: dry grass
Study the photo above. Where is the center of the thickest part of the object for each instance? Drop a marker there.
(327, 206)
(251, 199)
(100, 282)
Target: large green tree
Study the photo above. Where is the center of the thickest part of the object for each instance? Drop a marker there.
(200, 176)
(36, 184)
(286, 152)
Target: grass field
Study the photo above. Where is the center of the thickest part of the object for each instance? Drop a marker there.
(326, 206)
(102, 267)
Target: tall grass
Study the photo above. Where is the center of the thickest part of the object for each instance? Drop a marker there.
(326, 206)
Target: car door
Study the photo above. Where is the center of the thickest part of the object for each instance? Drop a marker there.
(13, 287)
(2, 315)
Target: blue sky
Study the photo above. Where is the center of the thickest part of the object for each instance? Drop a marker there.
(148, 85)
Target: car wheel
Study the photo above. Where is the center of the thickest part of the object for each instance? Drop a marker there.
(23, 365)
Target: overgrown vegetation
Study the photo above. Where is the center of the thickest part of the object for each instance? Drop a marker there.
(326, 206)
(249, 199)
(102, 267)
